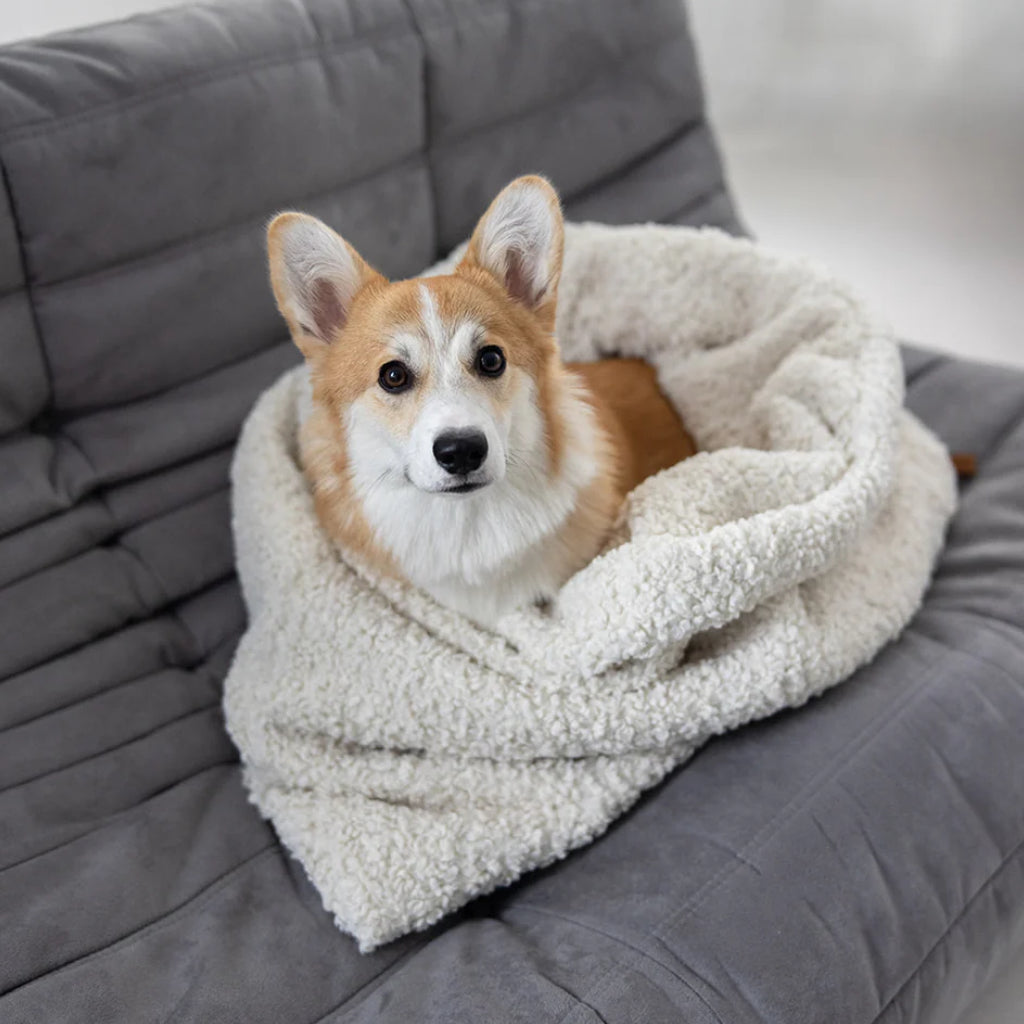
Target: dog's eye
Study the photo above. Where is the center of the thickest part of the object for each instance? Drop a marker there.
(394, 376)
(490, 361)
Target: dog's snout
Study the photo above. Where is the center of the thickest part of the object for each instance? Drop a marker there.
(460, 452)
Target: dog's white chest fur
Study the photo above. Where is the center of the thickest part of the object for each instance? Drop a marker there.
(456, 553)
(495, 549)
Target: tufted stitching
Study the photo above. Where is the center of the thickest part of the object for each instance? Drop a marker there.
(197, 243)
(192, 903)
(203, 709)
(550, 103)
(592, 188)
(114, 817)
(52, 126)
(186, 655)
(5, 183)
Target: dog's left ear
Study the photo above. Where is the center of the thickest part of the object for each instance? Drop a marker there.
(519, 242)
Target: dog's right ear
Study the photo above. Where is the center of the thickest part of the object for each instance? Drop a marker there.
(315, 275)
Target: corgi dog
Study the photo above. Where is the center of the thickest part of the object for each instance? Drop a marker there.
(446, 442)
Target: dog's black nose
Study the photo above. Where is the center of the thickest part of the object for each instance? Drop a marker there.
(460, 452)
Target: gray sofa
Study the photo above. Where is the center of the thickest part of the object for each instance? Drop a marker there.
(859, 860)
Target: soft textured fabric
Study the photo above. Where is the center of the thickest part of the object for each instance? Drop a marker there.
(860, 860)
(412, 760)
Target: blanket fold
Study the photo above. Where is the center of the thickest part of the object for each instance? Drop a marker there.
(412, 760)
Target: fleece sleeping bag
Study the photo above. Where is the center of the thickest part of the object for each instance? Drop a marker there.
(412, 760)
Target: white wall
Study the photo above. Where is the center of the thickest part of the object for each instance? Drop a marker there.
(23, 19)
(897, 59)
(886, 139)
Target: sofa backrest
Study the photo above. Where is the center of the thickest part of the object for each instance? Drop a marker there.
(141, 161)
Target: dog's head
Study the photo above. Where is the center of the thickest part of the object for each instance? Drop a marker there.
(440, 383)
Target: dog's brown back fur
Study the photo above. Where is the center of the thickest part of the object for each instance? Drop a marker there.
(645, 429)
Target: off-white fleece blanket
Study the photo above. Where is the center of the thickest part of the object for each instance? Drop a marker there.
(412, 760)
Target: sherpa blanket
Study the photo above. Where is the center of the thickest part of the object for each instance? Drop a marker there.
(412, 760)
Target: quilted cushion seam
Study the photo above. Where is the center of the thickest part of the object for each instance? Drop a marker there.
(89, 535)
(185, 664)
(641, 953)
(167, 607)
(985, 619)
(1007, 434)
(113, 818)
(382, 35)
(426, 130)
(368, 987)
(193, 902)
(879, 722)
(985, 886)
(197, 243)
(113, 527)
(636, 162)
(116, 541)
(569, 98)
(145, 734)
(485, 8)
(19, 237)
